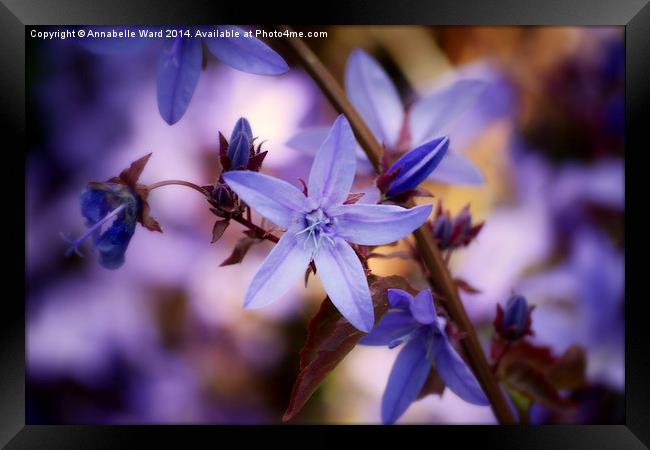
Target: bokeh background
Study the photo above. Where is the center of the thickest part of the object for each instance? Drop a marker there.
(164, 339)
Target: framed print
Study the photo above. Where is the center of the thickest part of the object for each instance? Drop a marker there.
(407, 219)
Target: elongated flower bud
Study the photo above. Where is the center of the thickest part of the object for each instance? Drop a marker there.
(416, 165)
(240, 143)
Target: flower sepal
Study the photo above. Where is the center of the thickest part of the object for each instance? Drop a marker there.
(129, 177)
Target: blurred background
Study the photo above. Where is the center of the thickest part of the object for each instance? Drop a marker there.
(164, 339)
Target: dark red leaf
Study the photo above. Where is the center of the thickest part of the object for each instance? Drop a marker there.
(353, 198)
(144, 217)
(535, 385)
(536, 373)
(569, 371)
(305, 189)
(223, 152)
(385, 179)
(131, 175)
(218, 229)
(240, 250)
(255, 162)
(466, 287)
(330, 337)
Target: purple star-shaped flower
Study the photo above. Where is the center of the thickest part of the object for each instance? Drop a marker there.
(414, 322)
(319, 226)
(376, 98)
(181, 58)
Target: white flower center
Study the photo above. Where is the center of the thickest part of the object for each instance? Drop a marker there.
(318, 226)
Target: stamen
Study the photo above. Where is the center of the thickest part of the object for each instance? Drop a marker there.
(315, 231)
(74, 244)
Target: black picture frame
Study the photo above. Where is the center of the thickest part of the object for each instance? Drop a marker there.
(634, 15)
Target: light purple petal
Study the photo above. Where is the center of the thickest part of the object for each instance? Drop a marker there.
(247, 54)
(406, 380)
(455, 373)
(309, 140)
(378, 224)
(432, 114)
(456, 169)
(332, 172)
(394, 325)
(179, 67)
(114, 45)
(398, 298)
(279, 271)
(422, 307)
(345, 282)
(275, 199)
(374, 96)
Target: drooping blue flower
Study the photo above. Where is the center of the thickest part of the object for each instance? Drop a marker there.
(416, 165)
(319, 226)
(413, 321)
(179, 64)
(102, 203)
(240, 143)
(376, 98)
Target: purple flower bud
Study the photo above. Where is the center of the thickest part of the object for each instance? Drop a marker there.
(442, 228)
(416, 165)
(240, 144)
(516, 318)
(451, 234)
(222, 195)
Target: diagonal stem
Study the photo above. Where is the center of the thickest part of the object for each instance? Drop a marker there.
(439, 276)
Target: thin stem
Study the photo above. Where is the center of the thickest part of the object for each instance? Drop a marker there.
(196, 187)
(261, 232)
(439, 277)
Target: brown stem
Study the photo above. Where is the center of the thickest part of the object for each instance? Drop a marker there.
(439, 277)
(261, 232)
(196, 187)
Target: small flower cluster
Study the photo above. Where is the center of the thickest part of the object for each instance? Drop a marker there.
(453, 233)
(239, 153)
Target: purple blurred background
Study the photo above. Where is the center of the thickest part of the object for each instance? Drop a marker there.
(164, 339)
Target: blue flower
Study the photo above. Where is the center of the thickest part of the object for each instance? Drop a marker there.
(319, 226)
(376, 98)
(181, 58)
(101, 203)
(239, 147)
(413, 321)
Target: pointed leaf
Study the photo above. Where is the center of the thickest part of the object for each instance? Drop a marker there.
(131, 175)
(218, 229)
(240, 250)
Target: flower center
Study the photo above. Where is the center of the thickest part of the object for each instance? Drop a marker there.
(318, 226)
